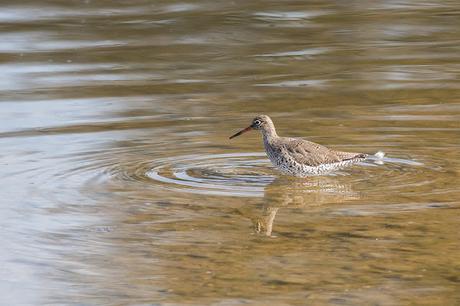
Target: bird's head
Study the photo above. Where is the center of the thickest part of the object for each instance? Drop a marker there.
(260, 122)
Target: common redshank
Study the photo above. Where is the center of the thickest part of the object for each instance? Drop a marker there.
(299, 157)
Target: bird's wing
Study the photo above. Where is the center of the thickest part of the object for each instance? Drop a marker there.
(313, 154)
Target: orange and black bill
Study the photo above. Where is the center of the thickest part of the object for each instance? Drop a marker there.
(241, 132)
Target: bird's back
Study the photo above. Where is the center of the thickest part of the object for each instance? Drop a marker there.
(297, 152)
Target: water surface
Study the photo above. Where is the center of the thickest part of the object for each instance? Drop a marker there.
(120, 186)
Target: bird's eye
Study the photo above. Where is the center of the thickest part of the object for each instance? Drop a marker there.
(257, 122)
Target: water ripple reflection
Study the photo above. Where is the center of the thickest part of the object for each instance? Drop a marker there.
(251, 175)
(244, 174)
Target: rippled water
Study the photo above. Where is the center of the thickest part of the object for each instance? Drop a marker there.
(120, 186)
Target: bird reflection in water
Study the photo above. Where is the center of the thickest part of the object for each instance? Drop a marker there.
(296, 193)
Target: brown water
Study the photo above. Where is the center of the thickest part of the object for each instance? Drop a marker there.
(119, 184)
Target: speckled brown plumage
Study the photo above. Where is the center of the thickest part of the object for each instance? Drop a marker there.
(299, 157)
(309, 153)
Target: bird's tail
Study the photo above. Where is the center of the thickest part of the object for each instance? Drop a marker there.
(379, 155)
(377, 158)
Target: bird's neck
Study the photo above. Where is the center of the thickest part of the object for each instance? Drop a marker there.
(269, 133)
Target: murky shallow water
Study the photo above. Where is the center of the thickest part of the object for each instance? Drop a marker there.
(120, 186)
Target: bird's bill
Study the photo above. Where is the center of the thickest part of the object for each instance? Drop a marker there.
(241, 132)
